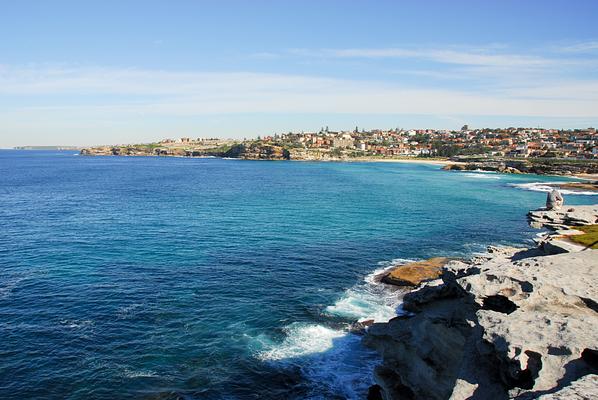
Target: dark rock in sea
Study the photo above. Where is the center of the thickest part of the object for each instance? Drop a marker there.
(455, 167)
(360, 327)
(375, 393)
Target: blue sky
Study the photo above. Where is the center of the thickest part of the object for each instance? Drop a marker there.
(73, 72)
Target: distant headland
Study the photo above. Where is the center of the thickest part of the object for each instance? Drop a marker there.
(326, 144)
(48, 148)
(507, 150)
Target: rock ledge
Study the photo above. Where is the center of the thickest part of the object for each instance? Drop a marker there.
(510, 324)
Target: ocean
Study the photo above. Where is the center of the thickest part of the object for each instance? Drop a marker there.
(164, 278)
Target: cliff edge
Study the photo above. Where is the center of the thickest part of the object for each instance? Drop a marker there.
(510, 324)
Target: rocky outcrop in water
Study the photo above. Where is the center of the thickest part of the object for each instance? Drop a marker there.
(415, 273)
(591, 186)
(526, 166)
(493, 166)
(512, 323)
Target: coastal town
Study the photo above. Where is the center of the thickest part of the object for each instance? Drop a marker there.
(508, 150)
(325, 144)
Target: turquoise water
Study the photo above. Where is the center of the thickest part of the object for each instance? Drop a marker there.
(205, 278)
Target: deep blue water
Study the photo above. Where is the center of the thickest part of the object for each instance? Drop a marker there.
(204, 278)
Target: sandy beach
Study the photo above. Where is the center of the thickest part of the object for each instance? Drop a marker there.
(407, 160)
(587, 177)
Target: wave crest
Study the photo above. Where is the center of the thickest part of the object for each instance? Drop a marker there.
(333, 360)
(547, 187)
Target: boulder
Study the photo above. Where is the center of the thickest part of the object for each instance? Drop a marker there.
(454, 167)
(413, 274)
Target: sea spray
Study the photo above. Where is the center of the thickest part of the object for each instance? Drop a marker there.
(544, 187)
(480, 175)
(332, 359)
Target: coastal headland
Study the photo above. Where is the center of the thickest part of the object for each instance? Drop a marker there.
(585, 169)
(252, 151)
(512, 323)
(510, 150)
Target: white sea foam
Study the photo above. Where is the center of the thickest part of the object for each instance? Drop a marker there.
(77, 324)
(383, 267)
(363, 305)
(344, 371)
(7, 287)
(369, 300)
(128, 373)
(119, 370)
(302, 340)
(334, 360)
(545, 187)
(478, 175)
(129, 311)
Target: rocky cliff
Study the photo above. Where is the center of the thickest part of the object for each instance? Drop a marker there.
(527, 166)
(249, 151)
(509, 324)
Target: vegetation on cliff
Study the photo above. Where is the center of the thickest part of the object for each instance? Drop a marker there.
(589, 238)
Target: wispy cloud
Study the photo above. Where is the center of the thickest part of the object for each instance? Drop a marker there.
(49, 80)
(474, 56)
(265, 55)
(129, 91)
(445, 56)
(585, 47)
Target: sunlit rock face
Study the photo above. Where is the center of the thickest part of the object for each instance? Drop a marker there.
(510, 324)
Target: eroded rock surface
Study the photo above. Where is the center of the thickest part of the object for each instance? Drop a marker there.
(566, 216)
(585, 388)
(508, 324)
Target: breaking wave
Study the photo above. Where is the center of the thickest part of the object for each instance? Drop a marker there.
(479, 175)
(331, 358)
(301, 340)
(545, 187)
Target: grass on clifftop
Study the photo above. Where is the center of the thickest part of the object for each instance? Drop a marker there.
(589, 238)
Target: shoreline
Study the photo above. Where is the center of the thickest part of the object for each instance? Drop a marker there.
(477, 323)
(438, 162)
(414, 160)
(586, 177)
(404, 160)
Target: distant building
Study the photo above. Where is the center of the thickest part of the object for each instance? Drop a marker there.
(465, 127)
(343, 141)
